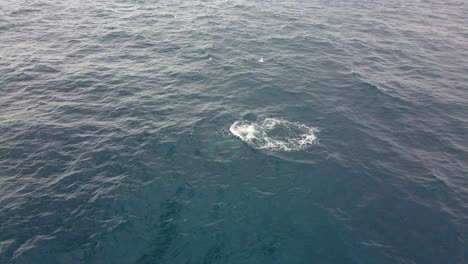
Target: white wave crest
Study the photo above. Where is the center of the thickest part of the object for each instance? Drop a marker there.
(274, 134)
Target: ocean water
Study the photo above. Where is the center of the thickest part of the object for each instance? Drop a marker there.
(234, 131)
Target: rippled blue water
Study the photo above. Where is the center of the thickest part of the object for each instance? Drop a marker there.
(120, 136)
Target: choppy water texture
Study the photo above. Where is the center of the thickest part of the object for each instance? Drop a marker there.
(151, 132)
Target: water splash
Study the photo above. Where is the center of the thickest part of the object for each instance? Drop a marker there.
(274, 134)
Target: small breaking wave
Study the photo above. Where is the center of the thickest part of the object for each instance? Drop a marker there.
(274, 134)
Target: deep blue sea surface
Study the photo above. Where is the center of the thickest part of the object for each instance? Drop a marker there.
(234, 131)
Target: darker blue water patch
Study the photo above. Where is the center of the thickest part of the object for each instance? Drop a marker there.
(116, 143)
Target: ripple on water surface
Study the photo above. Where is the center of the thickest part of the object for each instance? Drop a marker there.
(121, 137)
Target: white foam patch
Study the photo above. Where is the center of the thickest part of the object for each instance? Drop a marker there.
(275, 134)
